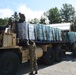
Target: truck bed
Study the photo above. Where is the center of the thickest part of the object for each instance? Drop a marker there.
(24, 42)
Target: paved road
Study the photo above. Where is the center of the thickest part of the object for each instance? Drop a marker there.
(66, 67)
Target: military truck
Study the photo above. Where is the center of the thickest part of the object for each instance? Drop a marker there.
(14, 51)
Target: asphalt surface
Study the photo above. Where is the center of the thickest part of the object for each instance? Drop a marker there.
(65, 67)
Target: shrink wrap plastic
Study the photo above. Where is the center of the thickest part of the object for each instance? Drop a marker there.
(49, 33)
(72, 36)
(31, 32)
(39, 31)
(23, 30)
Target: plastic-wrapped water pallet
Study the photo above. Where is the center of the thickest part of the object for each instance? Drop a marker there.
(31, 32)
(49, 33)
(39, 31)
(44, 33)
(23, 30)
(65, 37)
(75, 36)
(71, 36)
(35, 32)
(54, 34)
(60, 35)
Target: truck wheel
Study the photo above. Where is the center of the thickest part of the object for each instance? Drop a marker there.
(9, 63)
(74, 53)
(58, 55)
(48, 57)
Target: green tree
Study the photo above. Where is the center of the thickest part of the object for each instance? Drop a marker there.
(34, 21)
(73, 26)
(3, 21)
(10, 20)
(67, 12)
(53, 15)
(42, 20)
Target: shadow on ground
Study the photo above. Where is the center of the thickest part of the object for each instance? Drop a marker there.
(25, 68)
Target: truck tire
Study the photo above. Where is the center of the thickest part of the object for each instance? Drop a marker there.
(48, 57)
(74, 53)
(58, 55)
(9, 63)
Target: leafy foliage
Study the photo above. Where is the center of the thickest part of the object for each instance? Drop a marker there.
(3, 21)
(73, 26)
(67, 12)
(42, 20)
(9, 20)
(54, 15)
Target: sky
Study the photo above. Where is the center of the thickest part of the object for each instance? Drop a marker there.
(31, 8)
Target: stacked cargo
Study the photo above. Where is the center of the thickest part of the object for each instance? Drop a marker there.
(31, 33)
(39, 32)
(49, 33)
(75, 36)
(72, 36)
(44, 33)
(35, 32)
(54, 34)
(60, 35)
(23, 30)
(65, 36)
